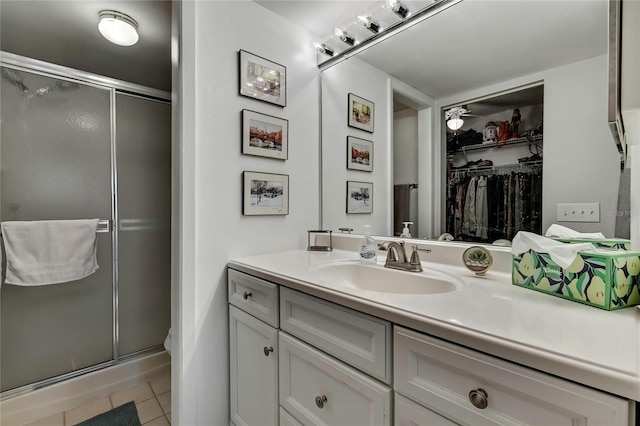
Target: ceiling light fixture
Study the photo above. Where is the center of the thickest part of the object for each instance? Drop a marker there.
(369, 23)
(324, 49)
(455, 123)
(118, 28)
(346, 38)
(398, 8)
(454, 117)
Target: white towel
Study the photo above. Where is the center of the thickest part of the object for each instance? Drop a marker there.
(49, 252)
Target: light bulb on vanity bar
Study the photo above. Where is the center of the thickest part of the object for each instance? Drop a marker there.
(324, 49)
(398, 8)
(346, 38)
(366, 21)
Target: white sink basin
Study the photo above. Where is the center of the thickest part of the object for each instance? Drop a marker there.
(377, 278)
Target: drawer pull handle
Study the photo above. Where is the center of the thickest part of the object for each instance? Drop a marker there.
(267, 350)
(321, 400)
(246, 295)
(479, 398)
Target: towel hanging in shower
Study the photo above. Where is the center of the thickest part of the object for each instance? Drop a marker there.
(401, 203)
(49, 252)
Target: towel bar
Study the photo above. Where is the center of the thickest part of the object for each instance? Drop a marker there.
(104, 225)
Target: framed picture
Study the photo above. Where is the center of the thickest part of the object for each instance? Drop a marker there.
(265, 194)
(360, 113)
(262, 79)
(359, 154)
(359, 197)
(264, 135)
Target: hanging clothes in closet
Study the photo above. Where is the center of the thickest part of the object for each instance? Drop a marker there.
(492, 204)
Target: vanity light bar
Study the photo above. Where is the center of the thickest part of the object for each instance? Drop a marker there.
(434, 8)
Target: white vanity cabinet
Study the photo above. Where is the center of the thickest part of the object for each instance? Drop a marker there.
(468, 387)
(253, 350)
(319, 390)
(308, 361)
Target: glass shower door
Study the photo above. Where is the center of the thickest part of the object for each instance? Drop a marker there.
(55, 156)
(143, 136)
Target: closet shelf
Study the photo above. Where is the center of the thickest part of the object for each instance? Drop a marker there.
(505, 168)
(513, 141)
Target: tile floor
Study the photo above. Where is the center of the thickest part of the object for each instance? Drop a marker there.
(152, 398)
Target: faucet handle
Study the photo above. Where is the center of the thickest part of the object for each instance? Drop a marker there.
(415, 257)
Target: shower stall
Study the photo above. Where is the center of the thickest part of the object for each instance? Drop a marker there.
(74, 145)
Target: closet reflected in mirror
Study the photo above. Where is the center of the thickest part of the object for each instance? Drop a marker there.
(494, 151)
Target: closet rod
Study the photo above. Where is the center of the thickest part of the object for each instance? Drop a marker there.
(523, 167)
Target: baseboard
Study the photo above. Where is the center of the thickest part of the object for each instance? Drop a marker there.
(53, 399)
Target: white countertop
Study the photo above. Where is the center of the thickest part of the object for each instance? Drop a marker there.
(581, 343)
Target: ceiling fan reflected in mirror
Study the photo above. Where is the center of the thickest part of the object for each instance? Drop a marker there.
(454, 116)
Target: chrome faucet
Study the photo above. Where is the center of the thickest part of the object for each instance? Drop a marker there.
(397, 258)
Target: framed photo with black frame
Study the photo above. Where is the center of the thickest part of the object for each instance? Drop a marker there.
(361, 113)
(264, 194)
(359, 154)
(264, 135)
(262, 79)
(359, 197)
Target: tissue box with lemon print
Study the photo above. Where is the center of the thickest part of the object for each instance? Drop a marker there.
(607, 281)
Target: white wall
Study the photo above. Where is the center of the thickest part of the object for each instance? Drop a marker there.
(405, 158)
(215, 31)
(366, 81)
(581, 162)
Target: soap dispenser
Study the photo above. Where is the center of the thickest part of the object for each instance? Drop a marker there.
(368, 248)
(405, 230)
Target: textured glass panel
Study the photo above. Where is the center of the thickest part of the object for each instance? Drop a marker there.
(144, 213)
(55, 164)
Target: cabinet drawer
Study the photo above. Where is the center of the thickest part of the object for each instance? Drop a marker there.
(408, 413)
(442, 376)
(253, 370)
(355, 338)
(317, 389)
(254, 296)
(287, 419)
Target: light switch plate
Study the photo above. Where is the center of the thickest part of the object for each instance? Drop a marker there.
(579, 212)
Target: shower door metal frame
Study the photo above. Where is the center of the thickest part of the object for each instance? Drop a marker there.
(114, 86)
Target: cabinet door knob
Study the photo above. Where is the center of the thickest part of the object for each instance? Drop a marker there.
(246, 295)
(267, 350)
(321, 400)
(479, 398)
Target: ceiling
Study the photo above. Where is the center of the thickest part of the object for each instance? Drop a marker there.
(65, 33)
(472, 44)
(318, 17)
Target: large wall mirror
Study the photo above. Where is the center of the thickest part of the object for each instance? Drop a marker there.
(547, 59)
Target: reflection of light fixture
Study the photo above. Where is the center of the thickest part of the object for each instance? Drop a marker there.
(323, 48)
(369, 23)
(454, 117)
(455, 123)
(118, 28)
(398, 8)
(344, 36)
